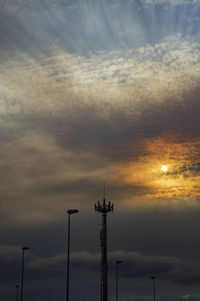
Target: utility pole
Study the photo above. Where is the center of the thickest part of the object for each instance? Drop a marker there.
(69, 212)
(104, 208)
(117, 290)
(153, 277)
(17, 292)
(22, 276)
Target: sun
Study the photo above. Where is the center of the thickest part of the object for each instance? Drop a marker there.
(164, 168)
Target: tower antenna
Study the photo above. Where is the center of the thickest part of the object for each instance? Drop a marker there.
(103, 208)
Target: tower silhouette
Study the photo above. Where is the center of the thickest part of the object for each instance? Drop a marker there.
(104, 208)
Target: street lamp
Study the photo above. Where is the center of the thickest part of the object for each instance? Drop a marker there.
(17, 293)
(117, 264)
(69, 212)
(153, 277)
(22, 279)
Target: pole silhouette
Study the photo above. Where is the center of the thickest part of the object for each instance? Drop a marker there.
(69, 212)
(22, 275)
(17, 292)
(153, 277)
(117, 279)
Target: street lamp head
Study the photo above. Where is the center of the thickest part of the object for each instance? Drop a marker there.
(153, 277)
(25, 248)
(118, 262)
(72, 211)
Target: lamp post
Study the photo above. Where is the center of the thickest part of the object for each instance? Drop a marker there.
(69, 212)
(117, 264)
(17, 293)
(22, 277)
(153, 277)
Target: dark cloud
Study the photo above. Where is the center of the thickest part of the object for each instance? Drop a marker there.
(84, 130)
(187, 171)
(81, 129)
(134, 265)
(160, 226)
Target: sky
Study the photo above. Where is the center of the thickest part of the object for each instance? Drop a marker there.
(94, 91)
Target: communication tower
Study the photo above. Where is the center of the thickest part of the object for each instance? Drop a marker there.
(103, 208)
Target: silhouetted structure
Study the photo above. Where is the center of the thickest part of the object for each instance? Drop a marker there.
(69, 212)
(104, 208)
(117, 291)
(22, 279)
(17, 292)
(153, 277)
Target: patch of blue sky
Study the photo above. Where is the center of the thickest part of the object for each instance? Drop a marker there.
(89, 26)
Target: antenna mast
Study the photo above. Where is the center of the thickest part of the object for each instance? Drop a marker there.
(104, 208)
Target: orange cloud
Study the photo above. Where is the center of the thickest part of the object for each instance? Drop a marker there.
(145, 169)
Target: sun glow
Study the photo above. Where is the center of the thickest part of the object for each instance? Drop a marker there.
(164, 168)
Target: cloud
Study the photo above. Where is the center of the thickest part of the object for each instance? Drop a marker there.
(60, 131)
(134, 264)
(43, 27)
(190, 296)
(9, 253)
(173, 2)
(187, 171)
(81, 104)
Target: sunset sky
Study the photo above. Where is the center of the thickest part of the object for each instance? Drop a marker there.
(94, 91)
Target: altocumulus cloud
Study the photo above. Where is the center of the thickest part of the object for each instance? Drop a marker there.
(53, 110)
